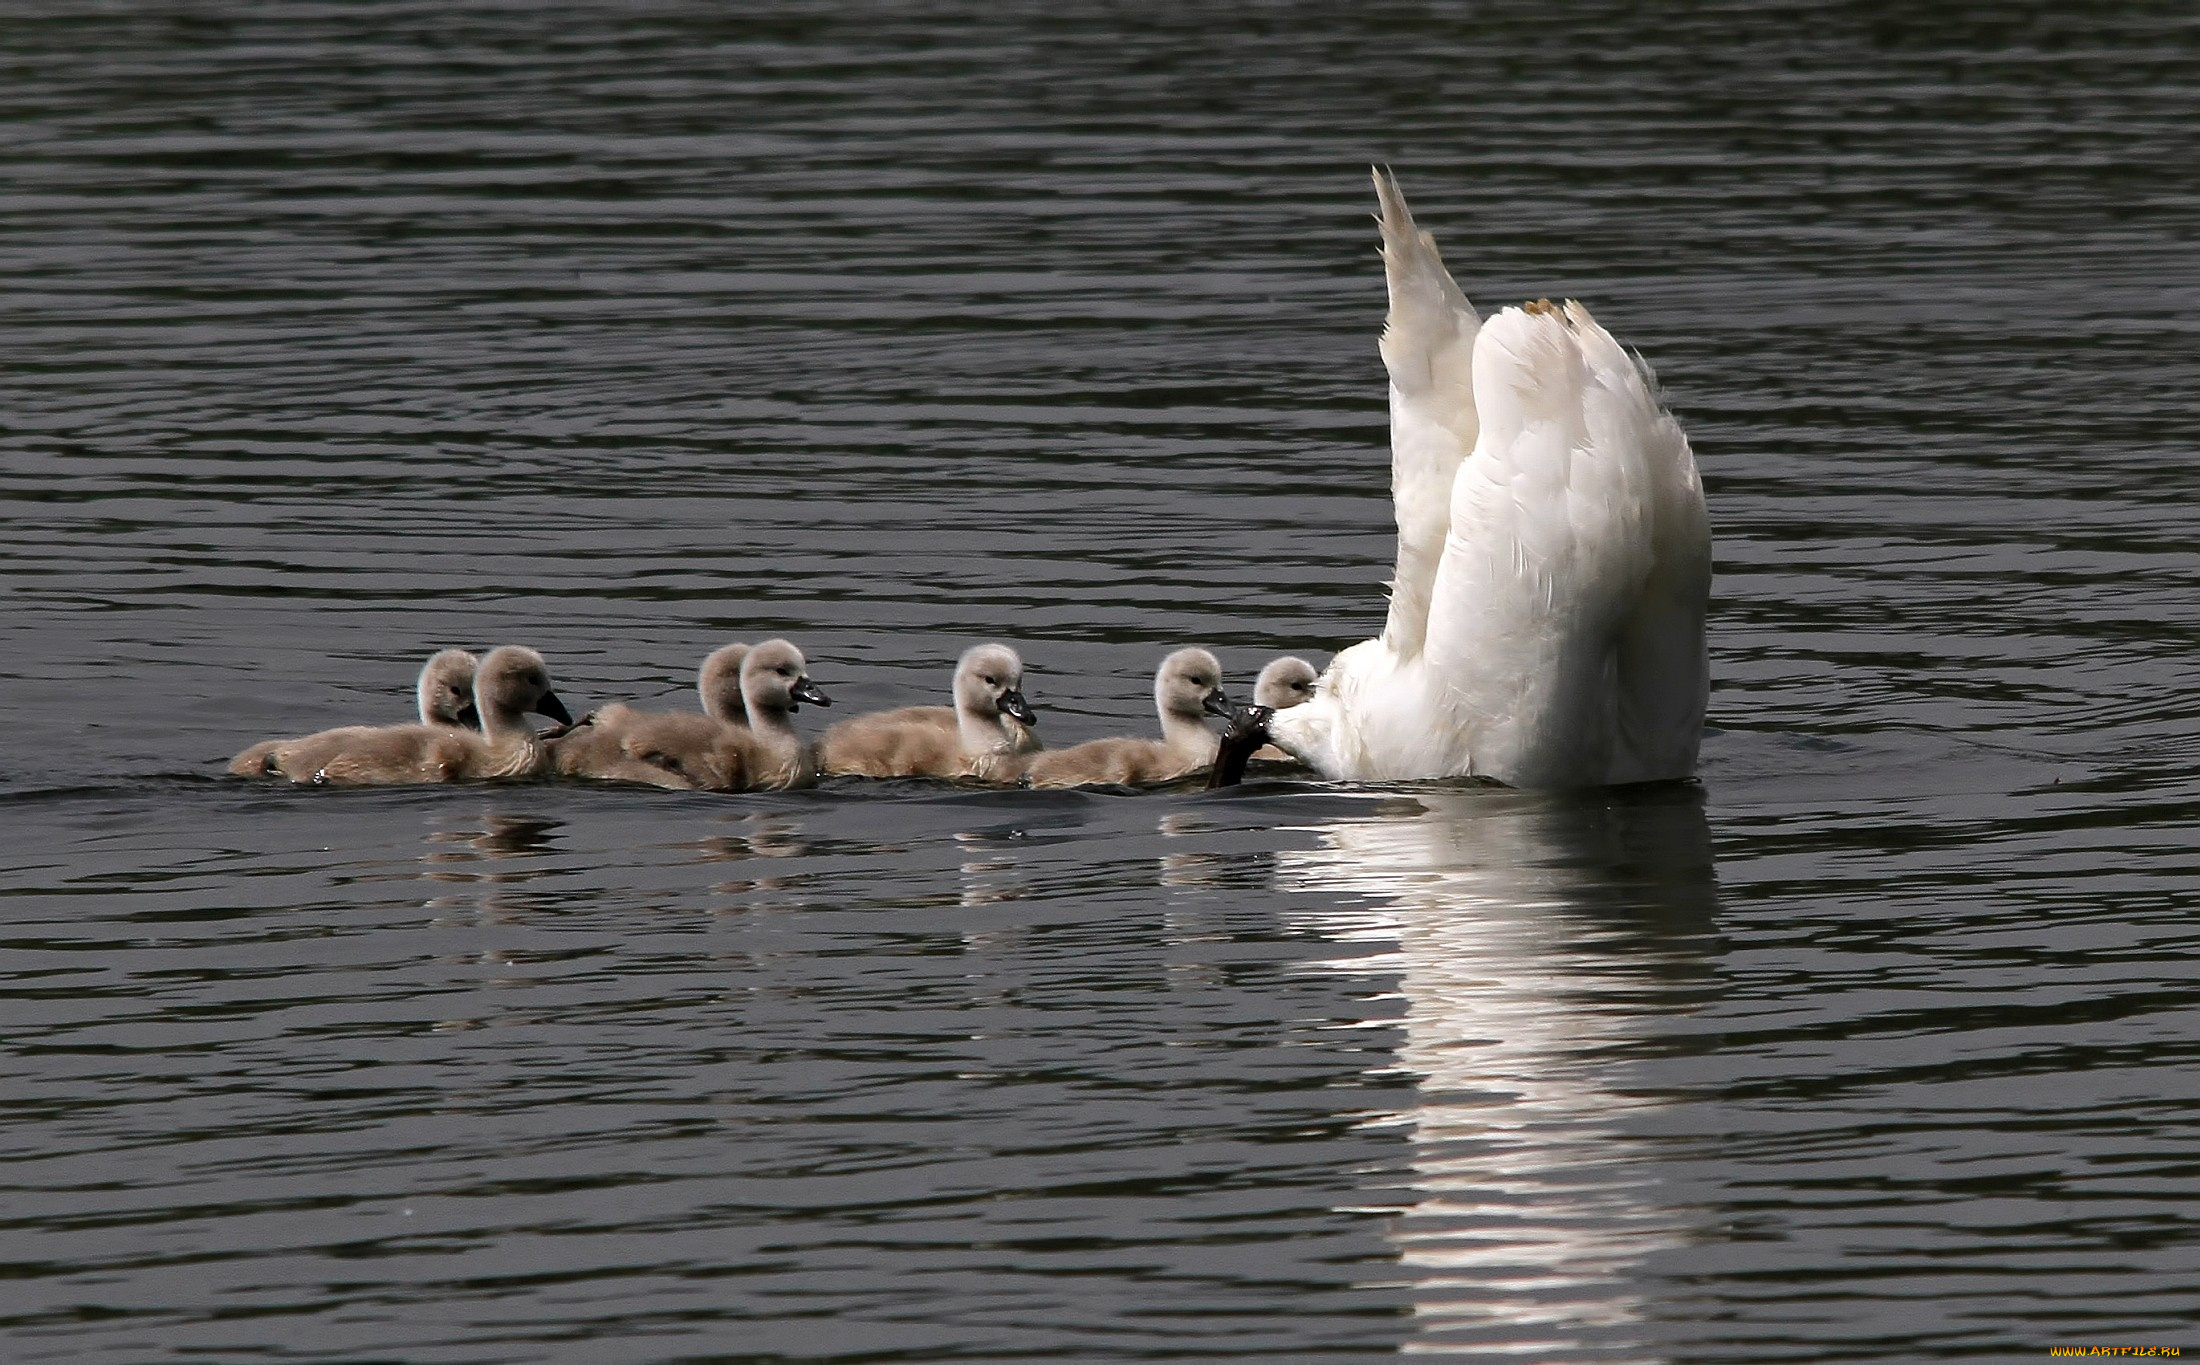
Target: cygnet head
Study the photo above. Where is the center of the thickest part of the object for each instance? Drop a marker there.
(775, 680)
(447, 690)
(1284, 683)
(989, 682)
(1189, 683)
(512, 682)
(719, 685)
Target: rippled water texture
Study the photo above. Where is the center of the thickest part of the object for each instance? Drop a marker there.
(337, 334)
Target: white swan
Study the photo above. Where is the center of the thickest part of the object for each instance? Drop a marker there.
(1546, 624)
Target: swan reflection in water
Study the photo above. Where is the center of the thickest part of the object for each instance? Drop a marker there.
(1535, 936)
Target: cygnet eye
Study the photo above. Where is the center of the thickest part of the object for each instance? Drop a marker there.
(991, 681)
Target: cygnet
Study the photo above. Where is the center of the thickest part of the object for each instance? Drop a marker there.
(596, 748)
(446, 698)
(512, 682)
(1186, 688)
(989, 725)
(1283, 684)
(713, 754)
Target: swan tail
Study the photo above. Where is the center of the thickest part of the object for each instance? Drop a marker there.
(1428, 348)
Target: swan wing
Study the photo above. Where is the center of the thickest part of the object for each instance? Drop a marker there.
(1566, 631)
(1428, 347)
(1661, 667)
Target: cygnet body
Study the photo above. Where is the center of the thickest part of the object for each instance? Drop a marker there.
(711, 753)
(988, 726)
(512, 682)
(597, 748)
(446, 699)
(1186, 688)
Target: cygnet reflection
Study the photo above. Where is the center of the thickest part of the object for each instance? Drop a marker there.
(479, 868)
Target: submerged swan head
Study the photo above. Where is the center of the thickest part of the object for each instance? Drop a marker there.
(719, 685)
(512, 682)
(1284, 683)
(989, 682)
(775, 681)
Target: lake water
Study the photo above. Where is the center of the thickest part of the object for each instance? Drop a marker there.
(338, 334)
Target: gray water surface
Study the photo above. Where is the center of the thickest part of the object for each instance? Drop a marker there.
(339, 334)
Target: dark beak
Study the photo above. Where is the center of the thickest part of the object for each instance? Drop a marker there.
(805, 690)
(550, 706)
(1247, 731)
(1012, 704)
(469, 717)
(1218, 704)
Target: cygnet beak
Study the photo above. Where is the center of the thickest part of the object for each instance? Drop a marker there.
(469, 716)
(1217, 703)
(549, 705)
(805, 690)
(1014, 706)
